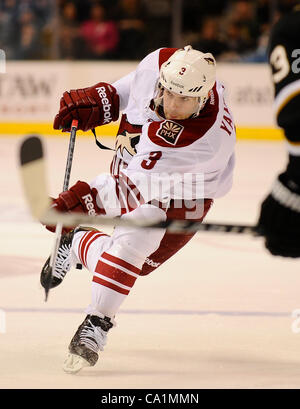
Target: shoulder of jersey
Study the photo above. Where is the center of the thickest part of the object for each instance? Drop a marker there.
(288, 24)
(155, 59)
(165, 54)
(181, 133)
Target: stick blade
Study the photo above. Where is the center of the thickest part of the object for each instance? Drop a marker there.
(33, 175)
(31, 150)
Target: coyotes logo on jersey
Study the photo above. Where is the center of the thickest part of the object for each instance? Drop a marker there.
(126, 140)
(128, 137)
(169, 131)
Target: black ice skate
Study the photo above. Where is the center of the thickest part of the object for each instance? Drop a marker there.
(63, 262)
(87, 341)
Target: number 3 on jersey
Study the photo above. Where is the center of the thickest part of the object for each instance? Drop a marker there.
(151, 161)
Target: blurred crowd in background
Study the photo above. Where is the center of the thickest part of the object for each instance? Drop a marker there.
(233, 30)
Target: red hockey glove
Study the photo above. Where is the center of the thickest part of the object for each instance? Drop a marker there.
(93, 106)
(79, 198)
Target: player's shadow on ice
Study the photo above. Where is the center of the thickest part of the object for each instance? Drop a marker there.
(254, 371)
(89, 372)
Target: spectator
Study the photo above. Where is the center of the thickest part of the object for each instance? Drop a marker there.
(8, 36)
(100, 35)
(242, 27)
(132, 44)
(235, 38)
(43, 10)
(158, 23)
(70, 41)
(260, 54)
(192, 10)
(263, 12)
(25, 27)
(29, 45)
(234, 30)
(209, 40)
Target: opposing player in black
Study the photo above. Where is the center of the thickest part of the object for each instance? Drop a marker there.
(279, 218)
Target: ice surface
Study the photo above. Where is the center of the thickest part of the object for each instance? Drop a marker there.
(217, 315)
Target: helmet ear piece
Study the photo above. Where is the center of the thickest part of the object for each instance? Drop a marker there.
(158, 99)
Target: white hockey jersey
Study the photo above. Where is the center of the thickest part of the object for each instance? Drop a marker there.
(164, 158)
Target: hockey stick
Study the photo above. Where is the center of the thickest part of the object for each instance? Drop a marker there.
(59, 225)
(173, 226)
(39, 205)
(33, 172)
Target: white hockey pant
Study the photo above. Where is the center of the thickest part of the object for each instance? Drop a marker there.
(116, 261)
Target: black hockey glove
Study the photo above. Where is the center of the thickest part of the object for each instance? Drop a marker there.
(279, 219)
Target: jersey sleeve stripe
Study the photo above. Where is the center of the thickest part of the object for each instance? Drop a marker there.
(165, 54)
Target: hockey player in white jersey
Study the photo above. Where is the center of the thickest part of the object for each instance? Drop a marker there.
(174, 122)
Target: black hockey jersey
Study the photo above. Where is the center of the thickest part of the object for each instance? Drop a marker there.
(284, 57)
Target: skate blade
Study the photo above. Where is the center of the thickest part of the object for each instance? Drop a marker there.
(74, 363)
